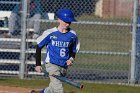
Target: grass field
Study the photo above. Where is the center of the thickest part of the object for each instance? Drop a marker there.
(88, 87)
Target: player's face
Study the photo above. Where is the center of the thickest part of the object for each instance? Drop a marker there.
(63, 24)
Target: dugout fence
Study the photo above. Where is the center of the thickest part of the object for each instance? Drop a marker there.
(107, 43)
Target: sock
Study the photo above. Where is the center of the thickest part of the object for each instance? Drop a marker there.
(42, 91)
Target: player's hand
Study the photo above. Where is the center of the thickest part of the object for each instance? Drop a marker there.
(69, 62)
(38, 69)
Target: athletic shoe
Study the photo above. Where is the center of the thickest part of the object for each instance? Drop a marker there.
(33, 91)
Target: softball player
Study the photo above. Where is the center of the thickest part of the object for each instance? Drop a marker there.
(62, 44)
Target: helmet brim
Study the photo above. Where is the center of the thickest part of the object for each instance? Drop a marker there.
(68, 19)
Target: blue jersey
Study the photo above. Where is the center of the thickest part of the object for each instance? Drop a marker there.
(59, 45)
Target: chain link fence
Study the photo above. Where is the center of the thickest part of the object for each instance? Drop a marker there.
(105, 36)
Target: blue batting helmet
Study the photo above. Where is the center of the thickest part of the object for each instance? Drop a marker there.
(66, 15)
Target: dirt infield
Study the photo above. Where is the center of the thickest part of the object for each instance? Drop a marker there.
(7, 89)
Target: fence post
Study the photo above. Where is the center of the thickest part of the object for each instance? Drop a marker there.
(23, 39)
(133, 52)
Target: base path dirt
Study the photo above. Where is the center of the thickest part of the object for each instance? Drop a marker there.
(8, 89)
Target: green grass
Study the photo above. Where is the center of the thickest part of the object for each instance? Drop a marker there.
(88, 87)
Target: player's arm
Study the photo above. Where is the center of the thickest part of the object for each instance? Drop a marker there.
(41, 42)
(38, 55)
(73, 50)
(38, 67)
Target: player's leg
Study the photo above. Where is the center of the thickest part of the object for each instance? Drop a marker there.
(55, 85)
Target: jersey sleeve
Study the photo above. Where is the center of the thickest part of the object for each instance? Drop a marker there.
(41, 42)
(77, 45)
(44, 39)
(74, 48)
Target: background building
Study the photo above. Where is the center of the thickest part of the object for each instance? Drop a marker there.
(114, 8)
